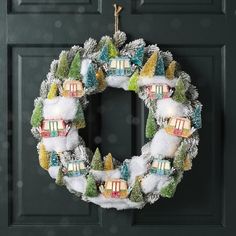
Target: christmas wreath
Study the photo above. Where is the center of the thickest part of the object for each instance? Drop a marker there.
(173, 120)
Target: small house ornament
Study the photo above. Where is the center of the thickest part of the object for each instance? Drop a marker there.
(54, 128)
(159, 91)
(115, 188)
(179, 126)
(160, 167)
(120, 66)
(75, 168)
(73, 88)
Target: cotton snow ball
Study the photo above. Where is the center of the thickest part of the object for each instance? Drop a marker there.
(84, 66)
(153, 183)
(77, 184)
(138, 166)
(53, 171)
(164, 143)
(118, 81)
(149, 183)
(61, 144)
(156, 80)
(104, 175)
(168, 107)
(60, 108)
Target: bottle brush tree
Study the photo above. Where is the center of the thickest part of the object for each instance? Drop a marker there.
(104, 57)
(137, 59)
(168, 191)
(133, 82)
(180, 157)
(54, 159)
(179, 94)
(96, 163)
(90, 78)
(63, 66)
(43, 157)
(59, 179)
(160, 67)
(151, 126)
(108, 162)
(79, 120)
(37, 115)
(196, 117)
(124, 171)
(74, 72)
(112, 50)
(170, 71)
(102, 84)
(136, 194)
(53, 91)
(91, 187)
(149, 67)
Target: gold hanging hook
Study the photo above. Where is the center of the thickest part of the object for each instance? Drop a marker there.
(117, 11)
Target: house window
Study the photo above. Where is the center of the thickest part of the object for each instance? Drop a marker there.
(113, 64)
(81, 166)
(123, 185)
(73, 87)
(53, 125)
(127, 65)
(109, 185)
(179, 124)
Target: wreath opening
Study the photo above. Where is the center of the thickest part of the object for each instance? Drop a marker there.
(174, 116)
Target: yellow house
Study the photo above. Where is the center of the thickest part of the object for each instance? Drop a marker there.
(179, 126)
(115, 188)
(72, 88)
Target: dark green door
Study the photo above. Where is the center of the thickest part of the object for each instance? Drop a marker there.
(200, 33)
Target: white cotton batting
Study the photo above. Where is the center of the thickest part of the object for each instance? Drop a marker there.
(53, 171)
(156, 80)
(60, 108)
(164, 144)
(137, 166)
(118, 82)
(146, 148)
(105, 175)
(77, 184)
(153, 182)
(61, 144)
(84, 66)
(117, 203)
(167, 108)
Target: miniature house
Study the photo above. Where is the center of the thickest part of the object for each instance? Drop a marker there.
(75, 168)
(160, 167)
(120, 66)
(114, 188)
(73, 88)
(53, 128)
(179, 126)
(158, 91)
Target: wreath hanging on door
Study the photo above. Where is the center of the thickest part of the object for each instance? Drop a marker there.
(172, 123)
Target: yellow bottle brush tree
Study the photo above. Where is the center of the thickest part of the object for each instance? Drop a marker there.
(149, 68)
(43, 157)
(53, 92)
(108, 162)
(102, 84)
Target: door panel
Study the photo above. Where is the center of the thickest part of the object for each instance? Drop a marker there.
(200, 33)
